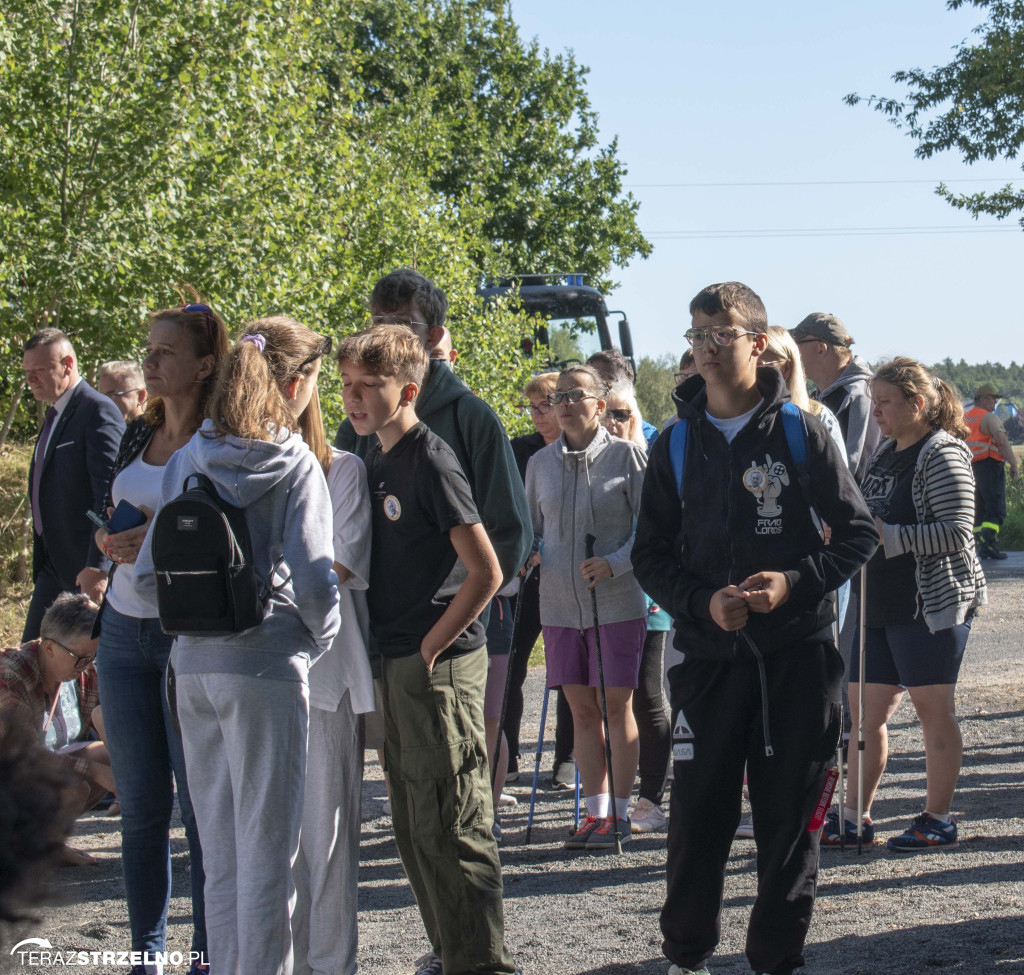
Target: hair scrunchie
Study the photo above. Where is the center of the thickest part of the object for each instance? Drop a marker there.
(258, 340)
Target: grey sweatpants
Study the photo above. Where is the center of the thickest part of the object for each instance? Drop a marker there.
(327, 867)
(245, 750)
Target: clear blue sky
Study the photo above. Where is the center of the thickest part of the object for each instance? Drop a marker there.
(750, 92)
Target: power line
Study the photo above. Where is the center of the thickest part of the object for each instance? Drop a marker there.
(820, 182)
(825, 232)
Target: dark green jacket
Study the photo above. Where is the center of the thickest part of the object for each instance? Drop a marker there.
(470, 427)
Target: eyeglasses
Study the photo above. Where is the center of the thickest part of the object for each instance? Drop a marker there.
(207, 312)
(81, 662)
(568, 396)
(397, 320)
(762, 361)
(118, 393)
(722, 334)
(541, 409)
(620, 416)
(680, 376)
(327, 343)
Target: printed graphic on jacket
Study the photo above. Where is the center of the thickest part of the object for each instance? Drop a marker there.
(682, 739)
(765, 482)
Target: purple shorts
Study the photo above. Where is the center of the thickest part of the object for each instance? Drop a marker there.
(572, 656)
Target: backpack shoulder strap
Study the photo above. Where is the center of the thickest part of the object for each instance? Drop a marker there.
(794, 425)
(677, 450)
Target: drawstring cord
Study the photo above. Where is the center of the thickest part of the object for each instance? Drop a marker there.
(764, 692)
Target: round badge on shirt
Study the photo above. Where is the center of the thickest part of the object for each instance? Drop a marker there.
(392, 507)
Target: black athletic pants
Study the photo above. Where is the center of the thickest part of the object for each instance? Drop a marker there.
(716, 730)
(526, 637)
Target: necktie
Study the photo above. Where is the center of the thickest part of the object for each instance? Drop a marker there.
(37, 471)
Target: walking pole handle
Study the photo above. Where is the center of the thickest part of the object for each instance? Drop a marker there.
(588, 545)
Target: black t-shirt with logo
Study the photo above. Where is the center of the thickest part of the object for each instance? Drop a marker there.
(891, 583)
(418, 493)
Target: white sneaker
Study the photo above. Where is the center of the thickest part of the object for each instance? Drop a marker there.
(507, 800)
(745, 830)
(676, 970)
(647, 817)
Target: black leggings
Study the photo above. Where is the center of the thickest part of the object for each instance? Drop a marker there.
(651, 712)
(526, 636)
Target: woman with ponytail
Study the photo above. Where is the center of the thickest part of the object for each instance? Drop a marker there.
(243, 698)
(180, 365)
(923, 586)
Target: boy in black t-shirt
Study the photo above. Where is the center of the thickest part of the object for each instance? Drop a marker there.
(432, 571)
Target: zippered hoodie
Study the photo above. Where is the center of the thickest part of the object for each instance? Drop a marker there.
(573, 493)
(288, 511)
(744, 511)
(471, 428)
(849, 398)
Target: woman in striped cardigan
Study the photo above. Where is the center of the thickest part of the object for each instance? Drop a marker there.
(923, 586)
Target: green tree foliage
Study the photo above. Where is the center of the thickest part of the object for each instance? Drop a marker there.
(256, 151)
(1008, 380)
(974, 104)
(654, 385)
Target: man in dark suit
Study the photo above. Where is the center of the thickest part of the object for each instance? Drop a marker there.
(70, 474)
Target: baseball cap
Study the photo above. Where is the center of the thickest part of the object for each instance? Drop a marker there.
(824, 327)
(988, 390)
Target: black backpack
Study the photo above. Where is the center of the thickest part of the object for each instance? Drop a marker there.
(206, 582)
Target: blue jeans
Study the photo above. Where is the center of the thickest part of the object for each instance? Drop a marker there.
(145, 751)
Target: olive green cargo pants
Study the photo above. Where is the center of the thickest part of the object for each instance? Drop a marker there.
(436, 756)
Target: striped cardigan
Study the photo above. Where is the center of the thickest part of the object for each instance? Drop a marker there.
(950, 580)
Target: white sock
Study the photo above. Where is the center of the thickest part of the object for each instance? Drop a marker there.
(947, 819)
(622, 808)
(850, 815)
(598, 806)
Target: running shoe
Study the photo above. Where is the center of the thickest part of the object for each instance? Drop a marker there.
(925, 833)
(603, 837)
(563, 776)
(578, 840)
(507, 800)
(647, 817)
(745, 830)
(429, 964)
(830, 833)
(676, 970)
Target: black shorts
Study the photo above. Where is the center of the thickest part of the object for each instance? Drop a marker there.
(908, 654)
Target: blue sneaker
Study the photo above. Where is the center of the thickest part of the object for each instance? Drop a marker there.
(925, 833)
(830, 832)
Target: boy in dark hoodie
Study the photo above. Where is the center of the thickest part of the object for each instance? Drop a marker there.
(738, 561)
(463, 421)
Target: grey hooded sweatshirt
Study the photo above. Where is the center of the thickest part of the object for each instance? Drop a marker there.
(572, 494)
(288, 511)
(849, 398)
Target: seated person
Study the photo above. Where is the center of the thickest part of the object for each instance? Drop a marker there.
(49, 685)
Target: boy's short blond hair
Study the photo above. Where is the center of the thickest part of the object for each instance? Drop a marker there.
(387, 350)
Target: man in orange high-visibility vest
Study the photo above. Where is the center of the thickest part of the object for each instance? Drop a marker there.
(991, 448)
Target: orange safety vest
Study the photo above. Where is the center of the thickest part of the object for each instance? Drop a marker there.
(982, 446)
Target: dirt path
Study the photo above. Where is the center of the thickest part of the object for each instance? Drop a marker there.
(956, 910)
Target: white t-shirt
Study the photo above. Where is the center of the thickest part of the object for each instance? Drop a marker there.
(139, 483)
(346, 666)
(730, 427)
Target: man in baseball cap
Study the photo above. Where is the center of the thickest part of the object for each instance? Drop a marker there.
(842, 380)
(991, 449)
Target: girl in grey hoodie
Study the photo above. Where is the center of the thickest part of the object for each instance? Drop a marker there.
(243, 698)
(588, 483)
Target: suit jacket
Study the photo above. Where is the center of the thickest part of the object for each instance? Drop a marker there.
(75, 478)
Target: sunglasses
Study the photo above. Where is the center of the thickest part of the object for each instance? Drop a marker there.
(722, 334)
(326, 344)
(568, 396)
(620, 416)
(81, 662)
(118, 393)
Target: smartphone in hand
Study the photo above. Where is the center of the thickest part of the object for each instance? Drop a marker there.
(125, 516)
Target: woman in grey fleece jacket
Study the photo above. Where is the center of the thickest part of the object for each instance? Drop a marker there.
(589, 483)
(243, 698)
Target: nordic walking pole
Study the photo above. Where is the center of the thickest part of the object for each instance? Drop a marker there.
(536, 764)
(588, 548)
(508, 676)
(860, 715)
(839, 761)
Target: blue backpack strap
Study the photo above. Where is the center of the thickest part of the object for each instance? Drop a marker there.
(795, 427)
(677, 451)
